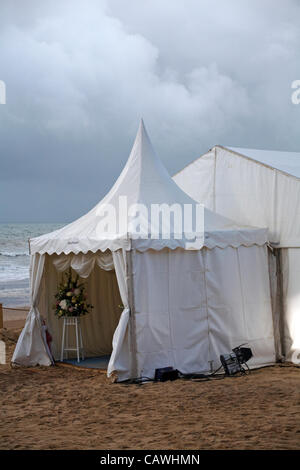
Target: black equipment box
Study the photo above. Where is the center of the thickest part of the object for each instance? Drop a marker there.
(233, 362)
(243, 354)
(165, 373)
(230, 363)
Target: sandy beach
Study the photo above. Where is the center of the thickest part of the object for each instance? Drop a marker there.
(14, 318)
(70, 408)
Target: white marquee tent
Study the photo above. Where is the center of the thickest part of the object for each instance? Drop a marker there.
(261, 188)
(182, 307)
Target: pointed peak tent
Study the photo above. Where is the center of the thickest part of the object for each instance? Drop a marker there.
(181, 308)
(144, 181)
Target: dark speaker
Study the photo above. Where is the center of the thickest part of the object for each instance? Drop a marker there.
(230, 363)
(243, 354)
(165, 373)
(233, 362)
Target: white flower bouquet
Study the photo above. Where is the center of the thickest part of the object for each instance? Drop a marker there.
(71, 300)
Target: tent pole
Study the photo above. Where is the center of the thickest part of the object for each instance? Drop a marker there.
(275, 304)
(214, 184)
(132, 325)
(280, 302)
(1, 316)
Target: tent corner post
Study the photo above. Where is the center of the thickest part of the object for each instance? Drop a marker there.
(280, 302)
(1, 316)
(132, 323)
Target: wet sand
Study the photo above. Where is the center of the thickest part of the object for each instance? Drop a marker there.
(72, 408)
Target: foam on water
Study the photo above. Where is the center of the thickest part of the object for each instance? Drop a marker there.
(8, 254)
(14, 260)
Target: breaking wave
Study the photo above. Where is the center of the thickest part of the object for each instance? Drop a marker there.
(12, 254)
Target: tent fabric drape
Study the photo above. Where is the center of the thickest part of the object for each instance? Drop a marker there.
(82, 263)
(31, 348)
(120, 360)
(98, 327)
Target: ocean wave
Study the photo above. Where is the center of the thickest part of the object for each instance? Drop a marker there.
(14, 274)
(13, 254)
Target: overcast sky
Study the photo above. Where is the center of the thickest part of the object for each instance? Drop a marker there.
(79, 75)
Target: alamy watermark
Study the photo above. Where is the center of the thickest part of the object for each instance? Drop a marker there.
(2, 92)
(295, 97)
(154, 221)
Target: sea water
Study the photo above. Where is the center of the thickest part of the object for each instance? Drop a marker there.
(14, 261)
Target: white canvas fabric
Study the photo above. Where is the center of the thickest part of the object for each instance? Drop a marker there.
(144, 180)
(198, 311)
(248, 191)
(180, 307)
(121, 357)
(286, 162)
(291, 293)
(31, 348)
(84, 264)
(260, 188)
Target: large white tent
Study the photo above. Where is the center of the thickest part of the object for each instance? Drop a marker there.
(261, 188)
(183, 305)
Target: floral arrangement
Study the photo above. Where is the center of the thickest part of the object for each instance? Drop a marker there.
(71, 298)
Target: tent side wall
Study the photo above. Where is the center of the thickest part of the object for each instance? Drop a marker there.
(291, 294)
(188, 310)
(254, 194)
(258, 195)
(245, 191)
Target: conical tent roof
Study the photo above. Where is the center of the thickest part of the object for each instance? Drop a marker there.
(144, 181)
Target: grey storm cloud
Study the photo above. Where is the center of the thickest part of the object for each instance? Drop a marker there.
(79, 74)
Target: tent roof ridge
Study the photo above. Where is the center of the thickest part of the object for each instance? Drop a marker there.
(258, 162)
(247, 157)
